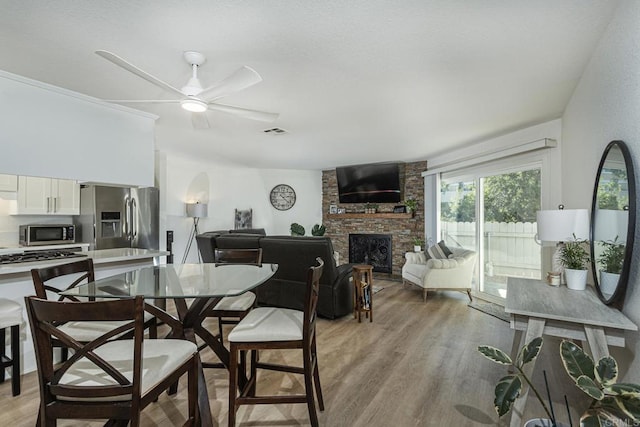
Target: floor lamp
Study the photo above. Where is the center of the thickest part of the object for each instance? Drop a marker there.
(195, 211)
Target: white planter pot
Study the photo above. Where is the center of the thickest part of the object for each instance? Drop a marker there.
(576, 279)
(608, 283)
(543, 422)
(417, 248)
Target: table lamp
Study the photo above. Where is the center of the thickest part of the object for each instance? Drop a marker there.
(196, 211)
(562, 225)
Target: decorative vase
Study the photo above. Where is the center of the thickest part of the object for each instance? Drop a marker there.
(576, 279)
(608, 283)
(543, 422)
(417, 248)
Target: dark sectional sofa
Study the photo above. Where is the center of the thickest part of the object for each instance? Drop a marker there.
(294, 256)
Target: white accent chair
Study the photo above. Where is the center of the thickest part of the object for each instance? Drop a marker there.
(454, 273)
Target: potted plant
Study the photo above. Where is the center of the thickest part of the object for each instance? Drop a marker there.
(411, 204)
(611, 259)
(574, 257)
(613, 404)
(509, 387)
(297, 229)
(417, 244)
(318, 230)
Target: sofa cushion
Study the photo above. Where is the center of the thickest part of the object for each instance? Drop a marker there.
(438, 251)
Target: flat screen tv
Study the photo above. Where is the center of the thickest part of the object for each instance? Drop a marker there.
(371, 183)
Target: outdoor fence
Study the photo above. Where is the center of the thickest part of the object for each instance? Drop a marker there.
(510, 248)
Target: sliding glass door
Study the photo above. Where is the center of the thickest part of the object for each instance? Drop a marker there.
(494, 214)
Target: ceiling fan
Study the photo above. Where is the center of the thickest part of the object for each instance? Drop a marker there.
(193, 97)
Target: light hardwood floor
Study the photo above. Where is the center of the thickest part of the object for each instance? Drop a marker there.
(415, 365)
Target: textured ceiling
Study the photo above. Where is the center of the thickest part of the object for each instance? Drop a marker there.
(354, 81)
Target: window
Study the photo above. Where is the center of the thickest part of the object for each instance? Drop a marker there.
(493, 212)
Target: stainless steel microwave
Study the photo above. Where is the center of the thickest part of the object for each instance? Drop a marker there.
(47, 234)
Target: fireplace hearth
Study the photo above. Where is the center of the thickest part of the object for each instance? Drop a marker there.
(372, 249)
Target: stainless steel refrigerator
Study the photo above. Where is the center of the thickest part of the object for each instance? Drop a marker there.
(117, 217)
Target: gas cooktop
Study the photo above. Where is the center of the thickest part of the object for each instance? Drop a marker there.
(35, 255)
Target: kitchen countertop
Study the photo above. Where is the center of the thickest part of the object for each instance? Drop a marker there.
(18, 249)
(103, 256)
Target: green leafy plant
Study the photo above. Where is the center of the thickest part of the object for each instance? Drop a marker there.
(612, 257)
(573, 254)
(417, 241)
(613, 403)
(318, 230)
(411, 204)
(297, 229)
(509, 387)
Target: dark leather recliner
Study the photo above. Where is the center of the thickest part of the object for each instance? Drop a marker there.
(293, 255)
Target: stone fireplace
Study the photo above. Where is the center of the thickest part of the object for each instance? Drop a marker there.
(402, 227)
(372, 249)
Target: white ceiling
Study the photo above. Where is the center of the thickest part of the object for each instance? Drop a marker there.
(354, 81)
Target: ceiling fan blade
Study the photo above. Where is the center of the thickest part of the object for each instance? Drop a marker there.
(240, 79)
(262, 116)
(143, 101)
(200, 121)
(137, 71)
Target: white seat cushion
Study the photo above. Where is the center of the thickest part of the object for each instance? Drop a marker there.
(239, 303)
(269, 324)
(88, 331)
(10, 313)
(160, 358)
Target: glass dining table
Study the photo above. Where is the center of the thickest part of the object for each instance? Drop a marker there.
(195, 289)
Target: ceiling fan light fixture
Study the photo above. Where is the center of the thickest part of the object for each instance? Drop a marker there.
(193, 105)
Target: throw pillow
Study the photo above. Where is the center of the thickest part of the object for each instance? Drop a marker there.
(438, 251)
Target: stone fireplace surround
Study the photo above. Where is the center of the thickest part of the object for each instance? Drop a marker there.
(402, 228)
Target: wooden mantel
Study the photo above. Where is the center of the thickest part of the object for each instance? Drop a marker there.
(377, 215)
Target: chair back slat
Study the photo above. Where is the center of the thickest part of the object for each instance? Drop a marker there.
(311, 301)
(41, 276)
(45, 318)
(238, 256)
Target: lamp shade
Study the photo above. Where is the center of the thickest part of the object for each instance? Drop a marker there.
(610, 225)
(196, 210)
(561, 225)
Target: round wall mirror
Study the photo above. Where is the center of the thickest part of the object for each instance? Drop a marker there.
(613, 213)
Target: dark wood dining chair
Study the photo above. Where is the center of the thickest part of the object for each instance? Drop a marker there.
(230, 310)
(49, 282)
(267, 328)
(108, 377)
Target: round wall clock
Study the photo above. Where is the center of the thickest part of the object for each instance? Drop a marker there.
(283, 197)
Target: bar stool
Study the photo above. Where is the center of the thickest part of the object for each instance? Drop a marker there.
(10, 316)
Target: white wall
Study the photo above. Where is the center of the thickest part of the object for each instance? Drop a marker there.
(52, 132)
(226, 186)
(606, 106)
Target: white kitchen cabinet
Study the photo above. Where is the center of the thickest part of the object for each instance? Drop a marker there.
(8, 182)
(48, 196)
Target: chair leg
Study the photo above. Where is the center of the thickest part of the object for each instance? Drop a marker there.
(192, 386)
(15, 360)
(233, 384)
(316, 375)
(3, 352)
(220, 329)
(469, 294)
(424, 295)
(308, 387)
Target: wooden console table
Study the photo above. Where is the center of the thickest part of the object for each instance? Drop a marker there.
(540, 309)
